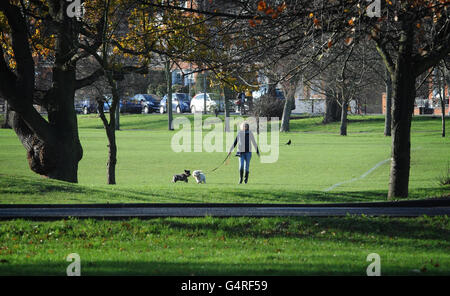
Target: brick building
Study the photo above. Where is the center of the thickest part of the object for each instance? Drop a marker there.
(427, 104)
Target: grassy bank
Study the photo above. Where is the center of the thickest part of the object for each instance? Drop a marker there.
(232, 246)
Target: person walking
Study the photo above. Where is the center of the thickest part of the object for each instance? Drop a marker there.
(241, 102)
(245, 139)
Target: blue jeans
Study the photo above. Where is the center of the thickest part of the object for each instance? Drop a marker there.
(245, 157)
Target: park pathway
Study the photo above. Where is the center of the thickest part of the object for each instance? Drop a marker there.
(123, 211)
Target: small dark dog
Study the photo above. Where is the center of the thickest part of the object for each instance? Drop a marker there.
(182, 177)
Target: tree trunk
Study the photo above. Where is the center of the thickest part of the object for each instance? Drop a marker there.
(227, 115)
(271, 88)
(257, 124)
(112, 155)
(204, 93)
(344, 112)
(53, 146)
(443, 113)
(57, 156)
(117, 118)
(63, 119)
(228, 93)
(332, 111)
(444, 85)
(388, 116)
(6, 121)
(169, 95)
(287, 109)
(110, 128)
(111, 134)
(404, 93)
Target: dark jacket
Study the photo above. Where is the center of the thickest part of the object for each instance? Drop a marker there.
(245, 139)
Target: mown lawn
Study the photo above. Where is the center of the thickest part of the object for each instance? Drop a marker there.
(231, 246)
(306, 171)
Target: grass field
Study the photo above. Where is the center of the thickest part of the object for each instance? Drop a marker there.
(231, 246)
(317, 160)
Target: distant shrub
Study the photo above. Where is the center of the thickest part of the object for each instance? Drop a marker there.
(268, 106)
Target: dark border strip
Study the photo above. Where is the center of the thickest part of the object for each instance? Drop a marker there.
(437, 202)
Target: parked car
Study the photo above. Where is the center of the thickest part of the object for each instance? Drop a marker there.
(279, 94)
(149, 102)
(263, 90)
(130, 106)
(214, 103)
(87, 106)
(180, 103)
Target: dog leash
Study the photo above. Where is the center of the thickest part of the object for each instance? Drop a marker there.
(228, 155)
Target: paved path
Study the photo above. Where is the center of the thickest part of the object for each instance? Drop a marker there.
(48, 212)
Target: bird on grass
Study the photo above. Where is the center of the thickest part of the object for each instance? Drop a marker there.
(289, 142)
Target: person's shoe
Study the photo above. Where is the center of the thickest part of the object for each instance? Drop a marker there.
(246, 177)
(241, 173)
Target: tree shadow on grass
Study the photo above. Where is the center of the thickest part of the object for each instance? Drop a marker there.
(205, 195)
(190, 268)
(351, 228)
(19, 184)
(154, 124)
(149, 197)
(367, 120)
(312, 196)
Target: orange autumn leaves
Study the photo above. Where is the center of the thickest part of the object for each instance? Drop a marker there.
(42, 44)
(262, 6)
(267, 10)
(315, 20)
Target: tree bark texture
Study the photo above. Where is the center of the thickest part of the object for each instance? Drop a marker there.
(344, 112)
(5, 123)
(404, 94)
(388, 116)
(287, 109)
(53, 147)
(332, 111)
